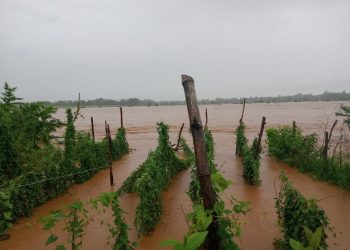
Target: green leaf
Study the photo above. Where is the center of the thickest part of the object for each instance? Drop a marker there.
(61, 247)
(52, 238)
(174, 243)
(316, 239)
(308, 233)
(296, 245)
(7, 215)
(195, 240)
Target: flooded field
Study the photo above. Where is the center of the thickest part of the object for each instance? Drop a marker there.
(260, 229)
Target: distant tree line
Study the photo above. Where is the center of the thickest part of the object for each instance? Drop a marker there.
(130, 102)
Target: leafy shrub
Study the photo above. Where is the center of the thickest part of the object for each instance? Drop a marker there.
(251, 159)
(301, 151)
(150, 178)
(295, 212)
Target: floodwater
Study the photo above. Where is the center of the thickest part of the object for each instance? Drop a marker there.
(260, 227)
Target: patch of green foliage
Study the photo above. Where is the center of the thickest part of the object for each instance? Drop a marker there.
(314, 240)
(191, 242)
(32, 170)
(301, 151)
(295, 212)
(150, 178)
(251, 159)
(76, 218)
(241, 139)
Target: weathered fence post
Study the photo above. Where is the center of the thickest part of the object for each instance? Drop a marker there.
(206, 118)
(294, 128)
(121, 117)
(263, 123)
(110, 149)
(92, 129)
(203, 172)
(241, 119)
(179, 137)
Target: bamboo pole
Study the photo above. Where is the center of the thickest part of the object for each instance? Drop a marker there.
(203, 172)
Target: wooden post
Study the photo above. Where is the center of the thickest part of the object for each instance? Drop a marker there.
(263, 122)
(294, 128)
(241, 119)
(203, 172)
(179, 137)
(92, 129)
(110, 158)
(121, 117)
(206, 118)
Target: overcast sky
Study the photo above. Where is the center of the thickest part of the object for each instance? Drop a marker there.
(52, 49)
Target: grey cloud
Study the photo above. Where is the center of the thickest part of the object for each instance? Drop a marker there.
(118, 49)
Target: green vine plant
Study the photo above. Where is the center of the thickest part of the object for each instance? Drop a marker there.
(227, 218)
(289, 145)
(251, 160)
(295, 213)
(76, 219)
(150, 178)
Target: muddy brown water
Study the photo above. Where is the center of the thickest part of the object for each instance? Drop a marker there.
(260, 227)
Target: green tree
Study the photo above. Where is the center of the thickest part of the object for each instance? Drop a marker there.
(8, 96)
(38, 122)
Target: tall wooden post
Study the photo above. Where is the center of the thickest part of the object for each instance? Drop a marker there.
(206, 118)
(179, 137)
(92, 129)
(263, 123)
(121, 117)
(110, 149)
(241, 119)
(203, 172)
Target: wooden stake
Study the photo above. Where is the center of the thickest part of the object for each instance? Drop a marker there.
(263, 122)
(294, 128)
(179, 137)
(203, 172)
(92, 129)
(206, 118)
(121, 117)
(110, 158)
(241, 119)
